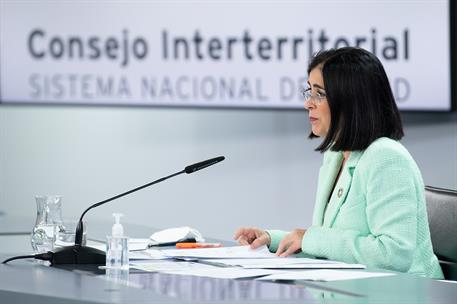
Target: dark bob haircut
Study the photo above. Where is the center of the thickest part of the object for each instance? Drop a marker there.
(361, 102)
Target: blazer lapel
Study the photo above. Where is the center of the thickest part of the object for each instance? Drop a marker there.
(327, 176)
(338, 197)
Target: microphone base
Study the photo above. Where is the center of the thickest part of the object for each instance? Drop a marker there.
(77, 254)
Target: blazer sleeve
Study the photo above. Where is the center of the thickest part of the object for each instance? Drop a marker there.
(389, 185)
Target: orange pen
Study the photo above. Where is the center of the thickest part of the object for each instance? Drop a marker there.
(197, 245)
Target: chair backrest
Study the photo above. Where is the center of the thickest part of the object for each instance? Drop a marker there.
(442, 219)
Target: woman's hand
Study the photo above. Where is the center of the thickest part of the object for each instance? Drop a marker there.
(291, 243)
(252, 236)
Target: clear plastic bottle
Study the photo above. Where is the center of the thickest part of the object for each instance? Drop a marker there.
(117, 250)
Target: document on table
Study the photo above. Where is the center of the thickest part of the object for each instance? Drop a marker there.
(134, 244)
(308, 266)
(198, 269)
(324, 275)
(169, 266)
(232, 252)
(148, 254)
(283, 263)
(138, 244)
(136, 254)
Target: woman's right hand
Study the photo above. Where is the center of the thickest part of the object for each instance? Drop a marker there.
(252, 236)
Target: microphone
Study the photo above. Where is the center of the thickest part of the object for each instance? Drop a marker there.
(79, 254)
(201, 165)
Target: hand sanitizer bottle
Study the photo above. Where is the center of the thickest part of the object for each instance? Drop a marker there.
(117, 251)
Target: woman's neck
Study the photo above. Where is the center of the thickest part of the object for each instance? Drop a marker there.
(346, 155)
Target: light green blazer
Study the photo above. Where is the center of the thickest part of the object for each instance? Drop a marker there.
(376, 214)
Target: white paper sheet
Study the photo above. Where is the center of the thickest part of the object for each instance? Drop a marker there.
(169, 266)
(271, 261)
(222, 252)
(227, 273)
(148, 254)
(137, 250)
(324, 275)
(307, 266)
(138, 244)
(198, 269)
(283, 263)
(134, 244)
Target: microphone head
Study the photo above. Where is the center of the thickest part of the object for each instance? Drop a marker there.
(203, 164)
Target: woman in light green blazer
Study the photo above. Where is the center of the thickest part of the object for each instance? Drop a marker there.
(370, 201)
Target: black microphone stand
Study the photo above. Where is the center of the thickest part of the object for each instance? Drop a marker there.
(79, 254)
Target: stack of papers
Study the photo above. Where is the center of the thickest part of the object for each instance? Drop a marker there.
(283, 263)
(202, 270)
(148, 254)
(244, 252)
(241, 262)
(244, 262)
(324, 275)
(260, 258)
(230, 262)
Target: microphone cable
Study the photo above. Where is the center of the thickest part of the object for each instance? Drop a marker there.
(46, 256)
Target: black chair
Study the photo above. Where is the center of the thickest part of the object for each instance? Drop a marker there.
(442, 219)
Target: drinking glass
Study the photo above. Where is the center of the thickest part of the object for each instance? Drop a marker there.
(48, 219)
(66, 233)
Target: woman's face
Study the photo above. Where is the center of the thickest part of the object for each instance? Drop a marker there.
(317, 105)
